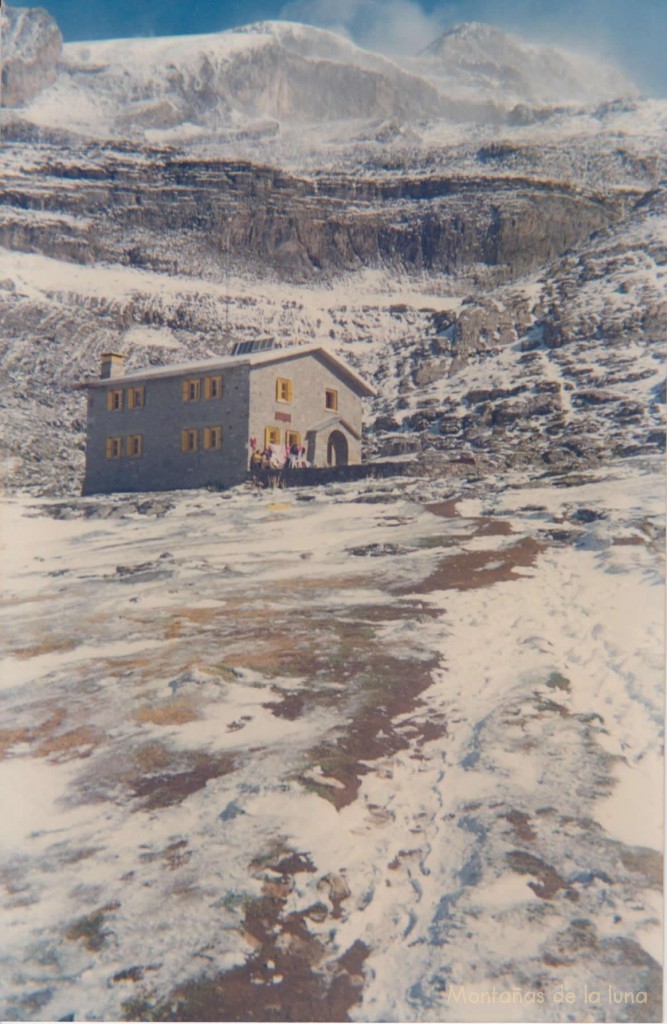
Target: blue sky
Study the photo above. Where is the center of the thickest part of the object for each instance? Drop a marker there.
(633, 33)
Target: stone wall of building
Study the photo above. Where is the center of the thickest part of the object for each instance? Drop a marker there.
(162, 465)
(309, 377)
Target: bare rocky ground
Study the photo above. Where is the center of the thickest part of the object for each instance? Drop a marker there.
(361, 752)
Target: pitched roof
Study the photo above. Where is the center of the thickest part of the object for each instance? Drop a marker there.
(275, 355)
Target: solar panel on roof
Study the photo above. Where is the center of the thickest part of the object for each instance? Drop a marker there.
(246, 348)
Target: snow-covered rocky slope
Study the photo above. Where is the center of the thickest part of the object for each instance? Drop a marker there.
(268, 71)
(429, 791)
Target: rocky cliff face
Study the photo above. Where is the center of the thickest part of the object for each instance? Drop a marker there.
(563, 368)
(31, 47)
(160, 210)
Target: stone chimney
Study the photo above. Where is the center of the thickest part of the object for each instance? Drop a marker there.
(112, 365)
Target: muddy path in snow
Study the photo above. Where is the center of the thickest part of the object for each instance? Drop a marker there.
(381, 684)
(292, 973)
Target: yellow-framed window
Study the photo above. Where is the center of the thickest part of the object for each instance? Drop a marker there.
(191, 390)
(212, 439)
(134, 446)
(115, 399)
(331, 399)
(114, 447)
(292, 437)
(271, 436)
(213, 387)
(189, 440)
(284, 390)
(135, 397)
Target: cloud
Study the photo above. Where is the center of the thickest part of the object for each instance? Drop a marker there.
(390, 26)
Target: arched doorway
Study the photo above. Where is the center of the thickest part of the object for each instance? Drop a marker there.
(337, 452)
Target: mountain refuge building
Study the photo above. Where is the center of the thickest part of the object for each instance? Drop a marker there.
(191, 425)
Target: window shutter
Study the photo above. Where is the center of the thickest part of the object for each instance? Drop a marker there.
(135, 398)
(212, 387)
(189, 440)
(284, 390)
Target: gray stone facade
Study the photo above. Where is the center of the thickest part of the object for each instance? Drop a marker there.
(189, 426)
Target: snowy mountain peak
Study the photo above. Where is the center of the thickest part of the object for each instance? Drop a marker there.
(272, 76)
(309, 41)
(486, 58)
(286, 72)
